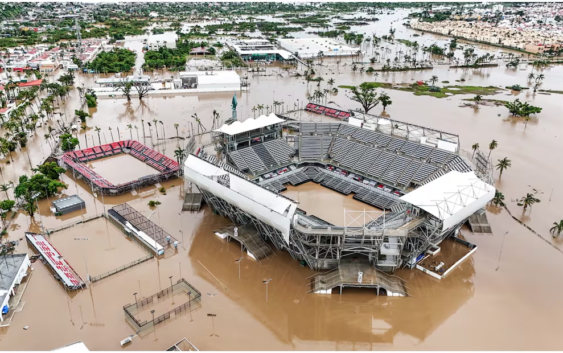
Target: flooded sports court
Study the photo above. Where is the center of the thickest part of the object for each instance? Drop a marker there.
(121, 169)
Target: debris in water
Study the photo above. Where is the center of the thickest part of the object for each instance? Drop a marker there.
(25, 327)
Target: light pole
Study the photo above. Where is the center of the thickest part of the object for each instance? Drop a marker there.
(85, 262)
(212, 316)
(136, 302)
(238, 262)
(266, 281)
(153, 324)
(500, 254)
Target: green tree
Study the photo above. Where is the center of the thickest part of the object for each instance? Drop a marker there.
(365, 95)
(557, 228)
(179, 154)
(385, 100)
(498, 199)
(475, 147)
(528, 201)
(82, 115)
(68, 142)
(503, 164)
(434, 79)
(38, 186)
(492, 146)
(50, 170)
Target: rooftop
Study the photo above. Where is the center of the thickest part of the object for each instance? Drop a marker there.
(250, 124)
(452, 197)
(9, 267)
(67, 202)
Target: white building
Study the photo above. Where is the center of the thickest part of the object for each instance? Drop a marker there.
(13, 269)
(259, 49)
(215, 81)
(310, 47)
(156, 41)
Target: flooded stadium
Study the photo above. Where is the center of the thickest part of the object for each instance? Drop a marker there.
(484, 304)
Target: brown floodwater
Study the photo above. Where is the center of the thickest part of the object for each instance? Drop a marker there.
(327, 204)
(121, 168)
(96, 247)
(477, 307)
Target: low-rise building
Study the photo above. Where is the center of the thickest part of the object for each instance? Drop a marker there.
(13, 268)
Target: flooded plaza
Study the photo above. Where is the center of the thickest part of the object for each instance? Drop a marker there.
(489, 302)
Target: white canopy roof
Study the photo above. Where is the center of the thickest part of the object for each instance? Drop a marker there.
(452, 197)
(249, 124)
(263, 204)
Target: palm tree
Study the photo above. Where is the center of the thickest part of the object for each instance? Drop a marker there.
(477, 98)
(433, 79)
(254, 110)
(111, 133)
(557, 227)
(528, 200)
(143, 126)
(330, 82)
(176, 127)
(503, 164)
(540, 78)
(6, 187)
(475, 147)
(163, 132)
(97, 129)
(498, 200)
(137, 129)
(179, 154)
(492, 146)
(130, 127)
(531, 76)
(155, 121)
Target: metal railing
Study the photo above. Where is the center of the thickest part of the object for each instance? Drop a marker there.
(121, 268)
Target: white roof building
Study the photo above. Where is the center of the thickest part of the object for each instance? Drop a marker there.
(310, 47)
(167, 40)
(452, 197)
(213, 81)
(250, 124)
(251, 49)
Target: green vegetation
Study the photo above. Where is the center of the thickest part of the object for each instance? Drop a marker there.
(68, 142)
(424, 90)
(173, 59)
(498, 200)
(231, 59)
(50, 170)
(503, 164)
(91, 99)
(365, 95)
(37, 187)
(528, 201)
(153, 203)
(82, 115)
(116, 60)
(557, 228)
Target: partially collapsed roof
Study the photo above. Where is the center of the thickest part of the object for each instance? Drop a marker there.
(452, 197)
(250, 124)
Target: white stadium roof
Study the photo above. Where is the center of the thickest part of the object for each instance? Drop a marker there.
(263, 204)
(250, 124)
(452, 197)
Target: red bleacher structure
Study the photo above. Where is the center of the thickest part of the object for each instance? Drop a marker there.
(75, 160)
(321, 109)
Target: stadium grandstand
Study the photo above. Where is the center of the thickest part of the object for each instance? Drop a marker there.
(75, 161)
(425, 187)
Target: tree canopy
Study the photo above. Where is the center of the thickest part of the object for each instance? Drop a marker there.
(365, 95)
